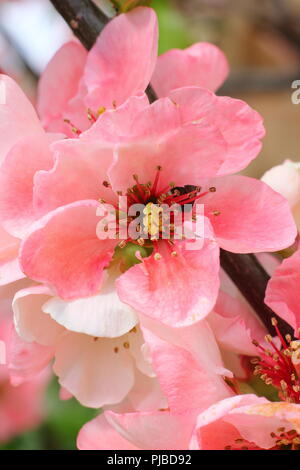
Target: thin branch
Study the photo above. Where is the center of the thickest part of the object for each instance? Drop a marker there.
(251, 279)
(245, 271)
(83, 17)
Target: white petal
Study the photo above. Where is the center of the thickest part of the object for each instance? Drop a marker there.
(101, 315)
(30, 321)
(97, 371)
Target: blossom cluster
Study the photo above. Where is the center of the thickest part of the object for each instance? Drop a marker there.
(148, 328)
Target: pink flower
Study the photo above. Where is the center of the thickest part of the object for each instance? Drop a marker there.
(21, 398)
(138, 139)
(246, 422)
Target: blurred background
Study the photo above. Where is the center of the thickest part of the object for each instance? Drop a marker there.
(261, 39)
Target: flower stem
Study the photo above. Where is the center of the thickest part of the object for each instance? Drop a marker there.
(87, 21)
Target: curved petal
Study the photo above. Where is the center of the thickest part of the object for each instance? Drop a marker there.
(158, 287)
(31, 323)
(16, 182)
(252, 217)
(27, 360)
(78, 173)
(186, 152)
(59, 83)
(213, 431)
(9, 264)
(235, 325)
(122, 61)
(241, 126)
(285, 180)
(18, 118)
(97, 371)
(156, 430)
(283, 288)
(101, 315)
(64, 251)
(188, 384)
(98, 434)
(202, 64)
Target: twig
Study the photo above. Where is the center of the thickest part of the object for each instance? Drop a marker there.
(83, 17)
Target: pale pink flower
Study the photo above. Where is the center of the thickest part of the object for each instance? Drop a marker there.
(96, 342)
(247, 422)
(285, 179)
(138, 139)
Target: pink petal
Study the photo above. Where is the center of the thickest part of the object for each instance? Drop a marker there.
(31, 323)
(152, 430)
(186, 152)
(65, 252)
(16, 182)
(78, 173)
(59, 83)
(202, 64)
(236, 325)
(241, 127)
(252, 217)
(115, 125)
(18, 118)
(188, 384)
(158, 288)
(98, 434)
(122, 61)
(213, 430)
(282, 294)
(9, 265)
(27, 360)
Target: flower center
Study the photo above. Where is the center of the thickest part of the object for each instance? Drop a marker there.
(280, 366)
(283, 440)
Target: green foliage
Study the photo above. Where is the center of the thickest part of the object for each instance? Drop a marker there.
(173, 30)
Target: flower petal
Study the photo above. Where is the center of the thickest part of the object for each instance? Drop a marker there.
(78, 173)
(18, 118)
(240, 125)
(252, 216)
(283, 288)
(101, 315)
(59, 83)
(122, 61)
(202, 64)
(31, 323)
(92, 370)
(64, 251)
(163, 285)
(16, 182)
(98, 434)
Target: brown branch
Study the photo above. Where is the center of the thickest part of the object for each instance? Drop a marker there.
(83, 17)
(245, 271)
(251, 279)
